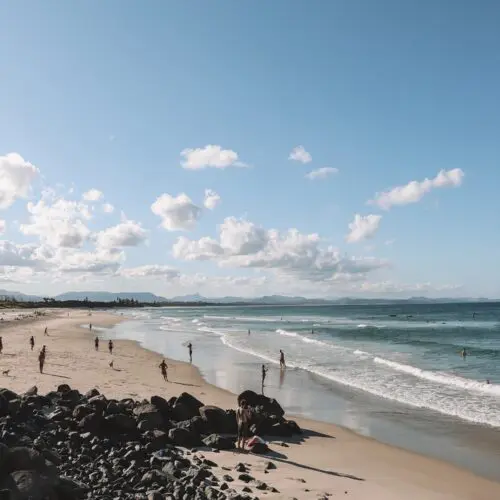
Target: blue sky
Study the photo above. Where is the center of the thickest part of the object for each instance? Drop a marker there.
(106, 96)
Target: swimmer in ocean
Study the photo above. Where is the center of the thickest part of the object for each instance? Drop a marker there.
(464, 353)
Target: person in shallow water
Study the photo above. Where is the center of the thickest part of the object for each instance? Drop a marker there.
(190, 348)
(464, 353)
(282, 360)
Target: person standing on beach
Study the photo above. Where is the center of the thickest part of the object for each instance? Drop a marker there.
(163, 367)
(90, 326)
(1, 345)
(190, 347)
(32, 342)
(46, 331)
(264, 373)
(242, 419)
(110, 347)
(41, 359)
(96, 343)
(282, 360)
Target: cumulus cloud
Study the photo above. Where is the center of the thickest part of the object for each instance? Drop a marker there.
(108, 208)
(150, 271)
(415, 190)
(212, 199)
(300, 154)
(92, 195)
(18, 255)
(2, 226)
(126, 234)
(177, 213)
(60, 223)
(210, 156)
(243, 244)
(16, 176)
(321, 173)
(102, 260)
(363, 227)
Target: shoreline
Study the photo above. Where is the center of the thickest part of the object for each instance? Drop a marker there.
(329, 458)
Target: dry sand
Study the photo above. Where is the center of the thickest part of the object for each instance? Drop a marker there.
(327, 459)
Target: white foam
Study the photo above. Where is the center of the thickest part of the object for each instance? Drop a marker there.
(286, 333)
(441, 377)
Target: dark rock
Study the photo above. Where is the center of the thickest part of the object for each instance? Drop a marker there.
(259, 448)
(69, 489)
(184, 437)
(219, 442)
(270, 466)
(188, 405)
(268, 405)
(90, 423)
(246, 478)
(260, 485)
(31, 485)
(32, 391)
(227, 478)
(63, 388)
(216, 419)
(154, 476)
(120, 423)
(223, 487)
(4, 406)
(92, 393)
(21, 458)
(246, 489)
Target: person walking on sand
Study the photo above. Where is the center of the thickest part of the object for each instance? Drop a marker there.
(163, 367)
(242, 419)
(90, 326)
(264, 373)
(1, 345)
(190, 347)
(41, 359)
(32, 342)
(110, 347)
(96, 343)
(282, 360)
(46, 331)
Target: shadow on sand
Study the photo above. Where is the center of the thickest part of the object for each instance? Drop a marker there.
(55, 375)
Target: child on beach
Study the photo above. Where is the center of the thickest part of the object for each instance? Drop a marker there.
(243, 419)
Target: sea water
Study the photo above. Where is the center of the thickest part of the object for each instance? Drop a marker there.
(389, 357)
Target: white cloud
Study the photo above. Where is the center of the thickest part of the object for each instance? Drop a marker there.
(210, 156)
(363, 227)
(59, 224)
(150, 271)
(92, 195)
(18, 255)
(242, 244)
(300, 154)
(103, 260)
(108, 208)
(16, 176)
(126, 234)
(2, 226)
(415, 190)
(212, 199)
(321, 173)
(177, 213)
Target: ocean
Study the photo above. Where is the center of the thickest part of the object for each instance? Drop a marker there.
(393, 372)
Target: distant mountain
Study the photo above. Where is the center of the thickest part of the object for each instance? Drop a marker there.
(21, 297)
(110, 297)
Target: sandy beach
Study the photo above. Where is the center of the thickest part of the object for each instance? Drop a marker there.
(327, 460)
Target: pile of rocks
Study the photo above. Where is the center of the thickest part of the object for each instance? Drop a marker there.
(69, 446)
